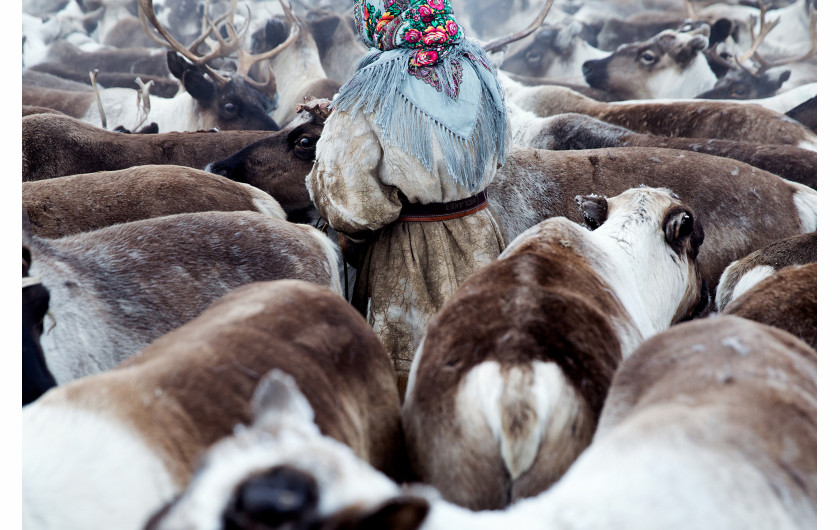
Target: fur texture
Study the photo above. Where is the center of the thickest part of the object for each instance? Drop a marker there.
(514, 370)
(794, 250)
(80, 203)
(116, 289)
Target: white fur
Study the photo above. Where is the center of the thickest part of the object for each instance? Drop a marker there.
(653, 473)
(263, 202)
(87, 471)
(747, 281)
(301, 59)
(695, 79)
(178, 113)
(805, 200)
(332, 255)
(629, 253)
(287, 434)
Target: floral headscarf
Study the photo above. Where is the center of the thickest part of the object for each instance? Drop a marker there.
(425, 25)
(422, 79)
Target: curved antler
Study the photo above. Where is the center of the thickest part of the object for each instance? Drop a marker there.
(225, 47)
(247, 60)
(502, 41)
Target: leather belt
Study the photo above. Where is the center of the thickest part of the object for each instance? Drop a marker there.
(443, 211)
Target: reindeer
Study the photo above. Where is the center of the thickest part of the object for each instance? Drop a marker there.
(116, 289)
(80, 203)
(309, 80)
(741, 275)
(703, 422)
(506, 389)
(210, 99)
(787, 300)
(106, 451)
(56, 146)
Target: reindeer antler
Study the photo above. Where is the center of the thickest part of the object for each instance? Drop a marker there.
(812, 52)
(689, 8)
(225, 47)
(247, 60)
(763, 29)
(502, 41)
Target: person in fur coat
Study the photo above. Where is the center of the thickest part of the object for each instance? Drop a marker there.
(412, 141)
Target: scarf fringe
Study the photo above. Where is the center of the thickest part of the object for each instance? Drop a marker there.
(375, 88)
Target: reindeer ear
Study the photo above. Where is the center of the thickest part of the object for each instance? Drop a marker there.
(177, 65)
(680, 227)
(277, 393)
(720, 31)
(322, 25)
(198, 86)
(594, 210)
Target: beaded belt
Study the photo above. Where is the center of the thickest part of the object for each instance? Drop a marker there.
(443, 211)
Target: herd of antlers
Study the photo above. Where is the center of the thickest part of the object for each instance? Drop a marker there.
(764, 29)
(224, 46)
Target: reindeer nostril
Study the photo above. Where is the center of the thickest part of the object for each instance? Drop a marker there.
(273, 498)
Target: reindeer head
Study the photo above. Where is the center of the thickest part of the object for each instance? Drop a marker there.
(668, 64)
(229, 101)
(281, 472)
(656, 238)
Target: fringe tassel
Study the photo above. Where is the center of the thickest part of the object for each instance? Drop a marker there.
(375, 88)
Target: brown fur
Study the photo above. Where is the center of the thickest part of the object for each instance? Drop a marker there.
(690, 119)
(147, 61)
(190, 387)
(748, 389)
(80, 203)
(742, 208)
(33, 77)
(57, 146)
(279, 163)
(789, 162)
(28, 110)
(794, 250)
(786, 300)
(579, 131)
(543, 303)
(72, 103)
(163, 86)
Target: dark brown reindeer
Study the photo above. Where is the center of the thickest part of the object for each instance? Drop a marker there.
(506, 389)
(56, 146)
(68, 205)
(787, 300)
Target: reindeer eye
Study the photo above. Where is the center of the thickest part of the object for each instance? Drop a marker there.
(686, 225)
(739, 92)
(648, 58)
(533, 56)
(305, 142)
(230, 108)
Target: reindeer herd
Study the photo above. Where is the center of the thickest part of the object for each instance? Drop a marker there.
(642, 355)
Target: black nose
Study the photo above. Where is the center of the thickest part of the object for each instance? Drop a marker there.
(587, 68)
(279, 496)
